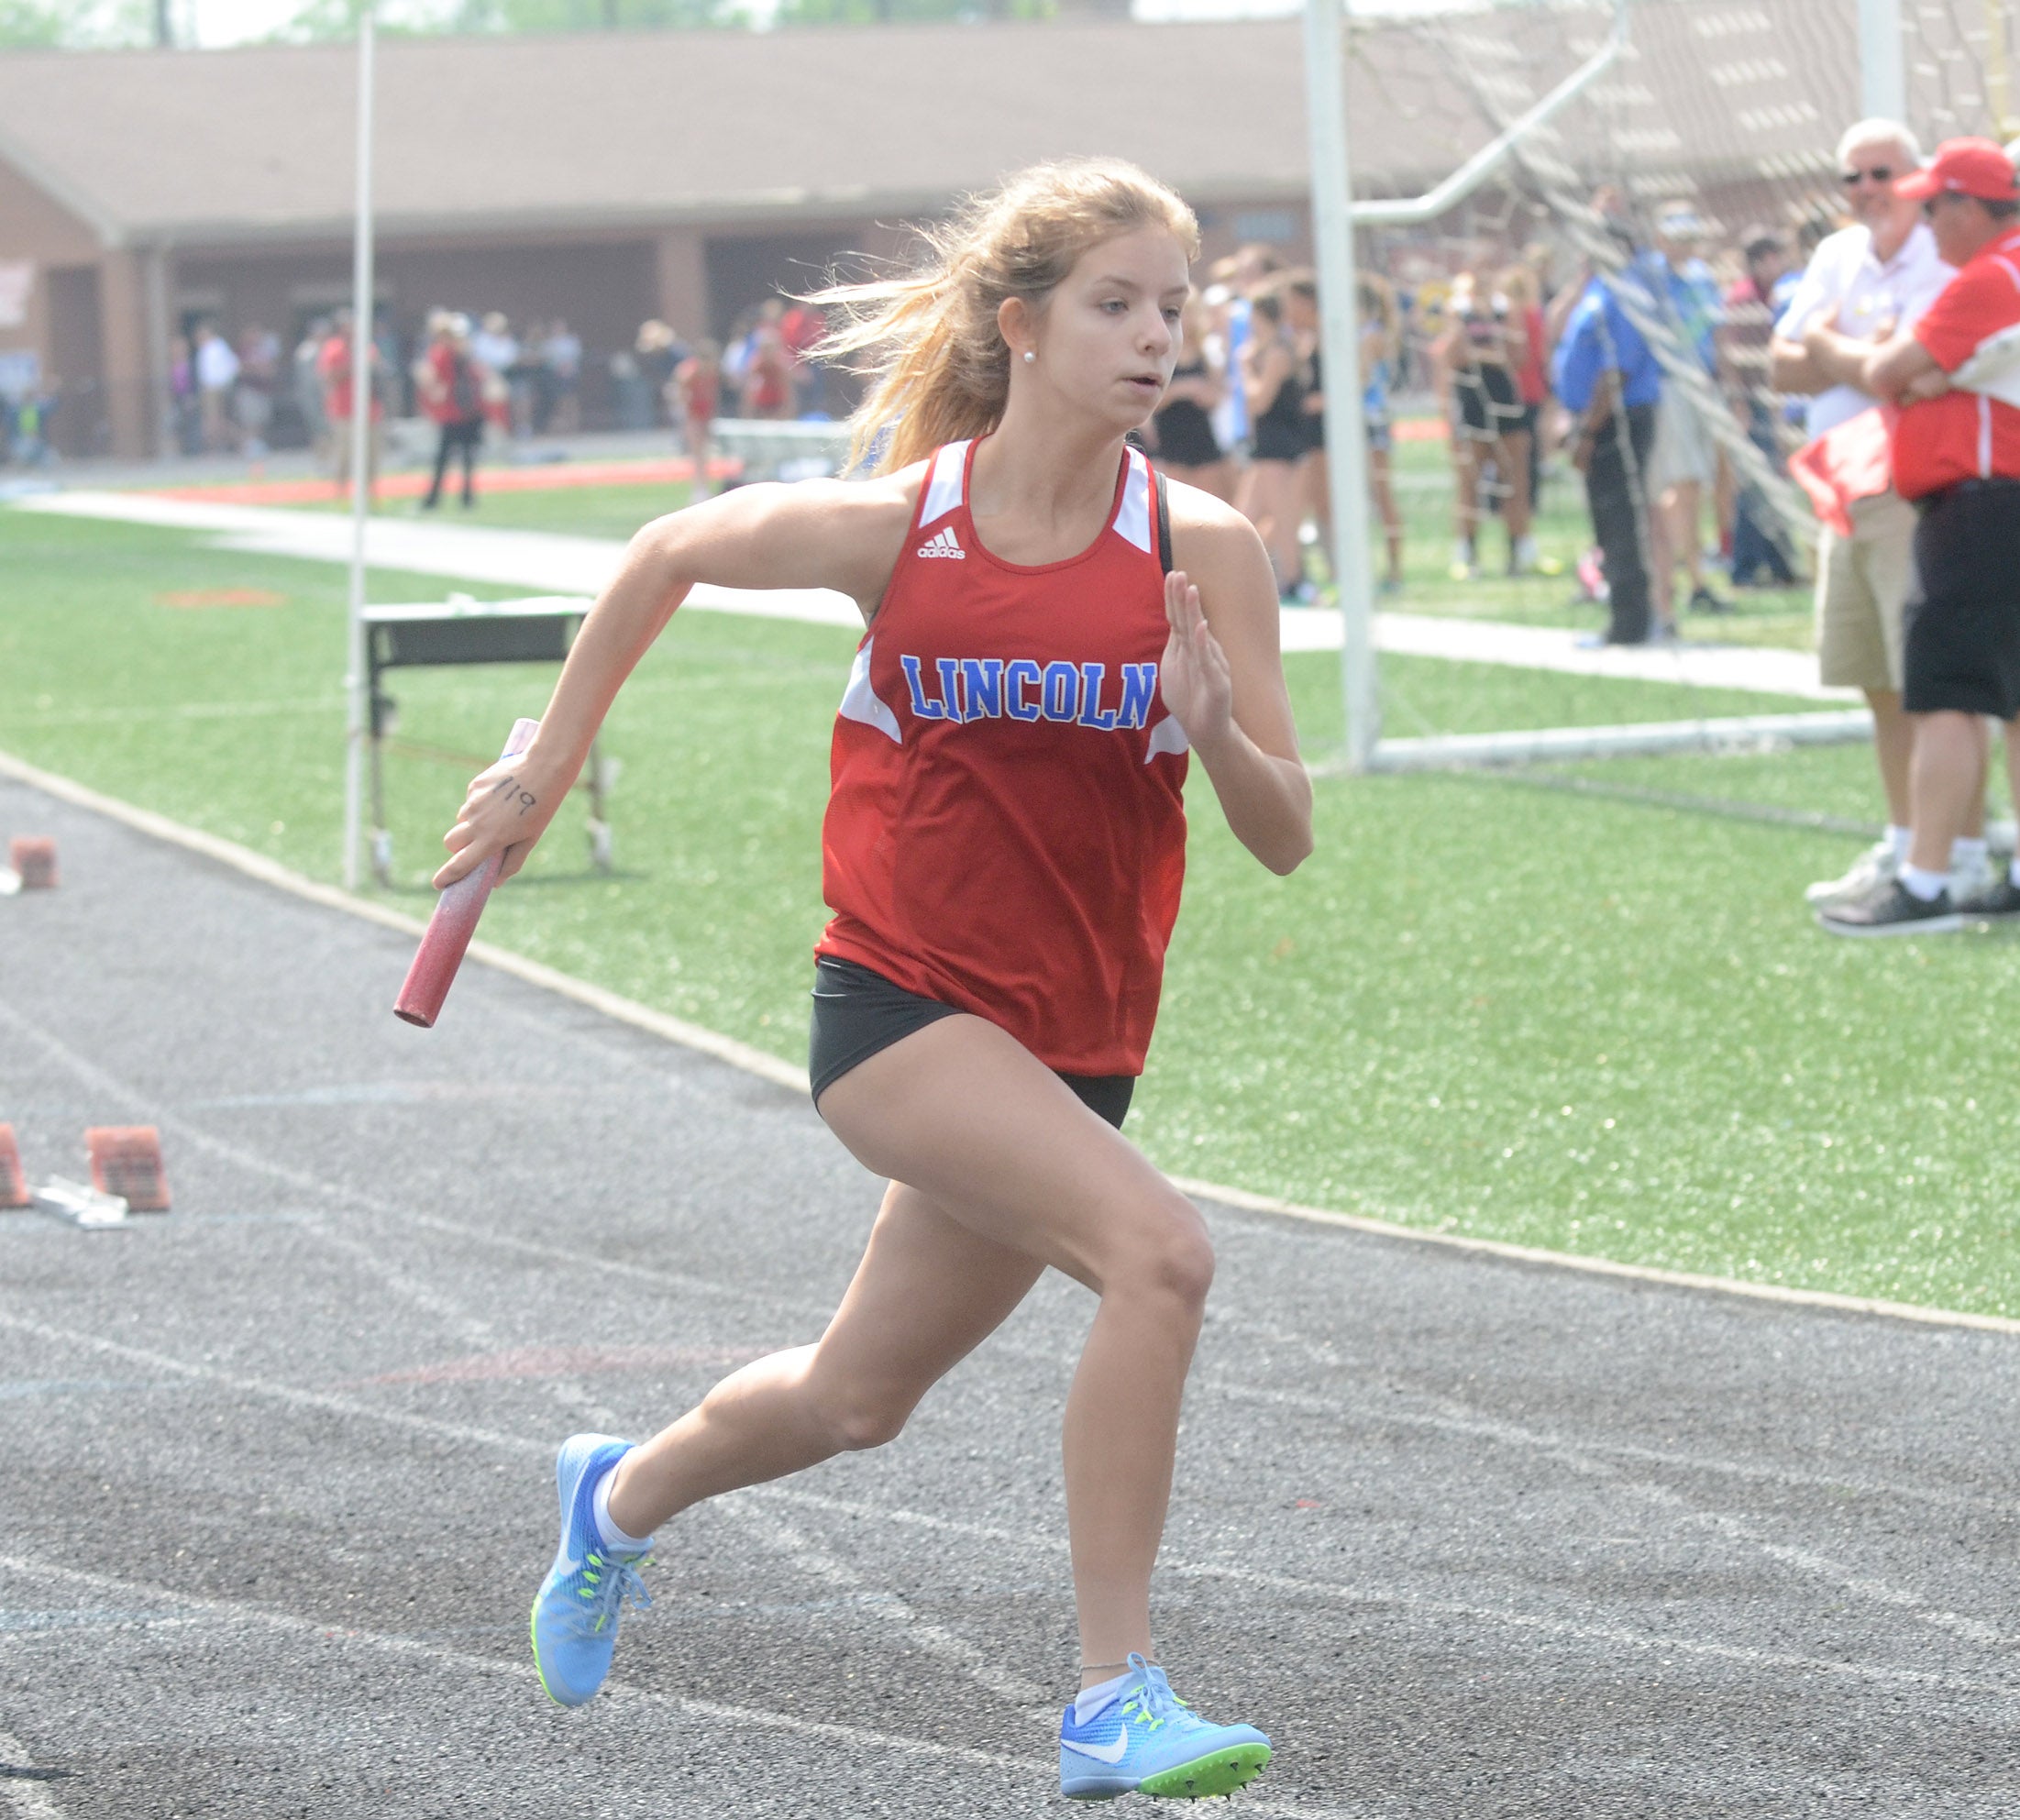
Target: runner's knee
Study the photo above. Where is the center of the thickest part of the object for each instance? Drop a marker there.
(1171, 1257)
(857, 1420)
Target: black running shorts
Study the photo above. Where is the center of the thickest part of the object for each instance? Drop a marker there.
(1963, 619)
(857, 1012)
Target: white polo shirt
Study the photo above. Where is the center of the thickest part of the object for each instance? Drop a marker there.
(1868, 296)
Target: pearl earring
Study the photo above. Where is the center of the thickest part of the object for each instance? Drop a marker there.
(1029, 357)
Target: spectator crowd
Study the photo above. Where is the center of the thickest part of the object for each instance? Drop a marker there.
(471, 376)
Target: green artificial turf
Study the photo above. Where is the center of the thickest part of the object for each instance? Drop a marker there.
(1491, 1004)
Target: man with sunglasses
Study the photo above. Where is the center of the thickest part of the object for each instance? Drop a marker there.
(1956, 449)
(1862, 285)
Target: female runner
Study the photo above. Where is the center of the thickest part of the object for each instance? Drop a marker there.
(1187, 446)
(1003, 849)
(1381, 341)
(1271, 498)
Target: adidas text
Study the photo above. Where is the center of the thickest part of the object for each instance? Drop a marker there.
(943, 545)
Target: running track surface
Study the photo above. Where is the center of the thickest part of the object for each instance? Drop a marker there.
(1469, 1538)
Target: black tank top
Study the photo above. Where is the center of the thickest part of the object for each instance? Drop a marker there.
(1280, 428)
(1185, 431)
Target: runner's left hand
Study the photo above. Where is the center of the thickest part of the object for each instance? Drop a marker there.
(1194, 677)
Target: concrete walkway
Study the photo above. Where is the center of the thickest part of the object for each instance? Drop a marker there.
(548, 562)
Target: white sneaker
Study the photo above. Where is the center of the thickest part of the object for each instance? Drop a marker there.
(1875, 865)
(1971, 887)
(1523, 558)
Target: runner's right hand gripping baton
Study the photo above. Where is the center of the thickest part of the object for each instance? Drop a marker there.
(449, 930)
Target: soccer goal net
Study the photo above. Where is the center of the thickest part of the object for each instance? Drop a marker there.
(1697, 169)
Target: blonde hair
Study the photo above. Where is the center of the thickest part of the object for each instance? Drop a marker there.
(1376, 297)
(1519, 286)
(929, 342)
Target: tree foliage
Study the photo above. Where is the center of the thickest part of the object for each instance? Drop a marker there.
(316, 19)
(320, 20)
(893, 12)
(75, 25)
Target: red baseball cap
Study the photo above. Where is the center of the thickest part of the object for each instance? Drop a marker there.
(1962, 167)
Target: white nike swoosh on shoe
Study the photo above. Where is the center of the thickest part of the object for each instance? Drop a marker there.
(565, 1567)
(1101, 1753)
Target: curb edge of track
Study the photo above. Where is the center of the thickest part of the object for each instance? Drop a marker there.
(754, 1061)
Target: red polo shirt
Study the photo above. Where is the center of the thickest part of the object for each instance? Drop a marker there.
(1963, 435)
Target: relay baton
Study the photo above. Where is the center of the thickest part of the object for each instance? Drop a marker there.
(449, 930)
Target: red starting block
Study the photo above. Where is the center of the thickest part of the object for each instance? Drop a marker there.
(13, 1186)
(125, 1160)
(33, 858)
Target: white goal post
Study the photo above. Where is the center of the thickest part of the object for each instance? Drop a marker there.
(1335, 216)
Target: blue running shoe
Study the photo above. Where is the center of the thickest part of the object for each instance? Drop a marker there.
(575, 1615)
(1141, 1738)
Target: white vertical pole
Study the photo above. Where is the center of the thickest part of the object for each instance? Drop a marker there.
(1346, 446)
(357, 684)
(1882, 71)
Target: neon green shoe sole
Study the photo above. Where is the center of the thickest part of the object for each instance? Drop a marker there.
(1218, 1772)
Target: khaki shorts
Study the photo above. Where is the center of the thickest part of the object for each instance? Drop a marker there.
(1684, 448)
(1863, 582)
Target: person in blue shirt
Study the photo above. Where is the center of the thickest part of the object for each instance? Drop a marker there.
(1608, 379)
(1688, 461)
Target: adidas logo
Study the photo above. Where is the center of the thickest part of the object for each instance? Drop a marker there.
(943, 544)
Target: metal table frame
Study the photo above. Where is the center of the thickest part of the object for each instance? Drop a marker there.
(433, 633)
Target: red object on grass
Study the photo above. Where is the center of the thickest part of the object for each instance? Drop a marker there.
(34, 857)
(454, 922)
(13, 1186)
(125, 1160)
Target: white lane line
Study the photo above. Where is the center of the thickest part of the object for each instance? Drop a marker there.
(1387, 1598)
(814, 1560)
(1027, 1769)
(29, 1798)
(888, 1606)
(1368, 1595)
(1512, 1435)
(237, 1612)
(479, 1335)
(770, 1069)
(1598, 1457)
(1466, 1425)
(1643, 1641)
(880, 1603)
(112, 1086)
(1880, 1592)
(328, 1404)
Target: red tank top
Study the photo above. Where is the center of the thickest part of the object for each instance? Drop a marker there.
(1006, 832)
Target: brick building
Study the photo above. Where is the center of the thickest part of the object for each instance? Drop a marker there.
(615, 177)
